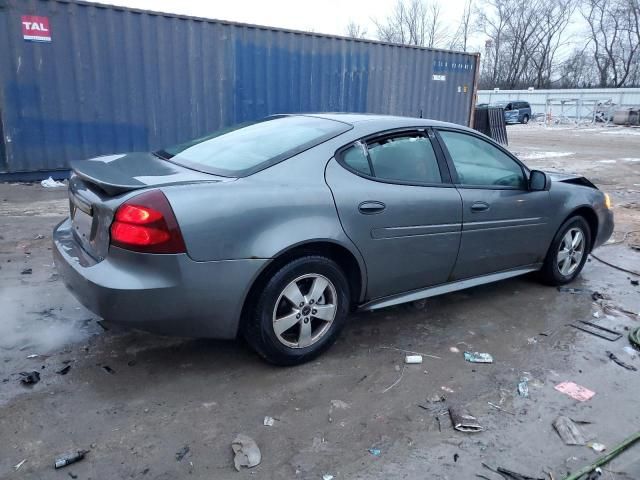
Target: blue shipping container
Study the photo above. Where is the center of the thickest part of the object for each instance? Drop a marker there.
(79, 79)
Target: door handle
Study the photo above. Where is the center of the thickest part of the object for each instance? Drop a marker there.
(479, 206)
(371, 207)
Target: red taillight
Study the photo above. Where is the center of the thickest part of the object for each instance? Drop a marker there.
(146, 223)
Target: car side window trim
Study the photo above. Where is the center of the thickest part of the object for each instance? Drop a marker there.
(454, 173)
(421, 131)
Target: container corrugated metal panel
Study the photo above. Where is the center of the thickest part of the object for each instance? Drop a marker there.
(115, 79)
(623, 97)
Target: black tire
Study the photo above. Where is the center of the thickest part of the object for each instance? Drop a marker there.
(550, 273)
(258, 329)
(525, 119)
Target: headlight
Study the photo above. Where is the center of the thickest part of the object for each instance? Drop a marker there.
(607, 201)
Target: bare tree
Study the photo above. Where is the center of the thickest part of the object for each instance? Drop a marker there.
(613, 28)
(355, 30)
(577, 70)
(460, 39)
(523, 39)
(413, 22)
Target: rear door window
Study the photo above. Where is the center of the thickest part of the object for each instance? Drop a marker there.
(406, 158)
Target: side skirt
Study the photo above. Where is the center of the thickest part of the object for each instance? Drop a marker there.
(445, 288)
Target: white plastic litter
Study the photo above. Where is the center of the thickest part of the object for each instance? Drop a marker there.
(411, 359)
(268, 421)
(51, 183)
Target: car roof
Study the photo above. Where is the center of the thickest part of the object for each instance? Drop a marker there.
(386, 121)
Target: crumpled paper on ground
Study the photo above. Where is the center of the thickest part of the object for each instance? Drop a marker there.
(247, 453)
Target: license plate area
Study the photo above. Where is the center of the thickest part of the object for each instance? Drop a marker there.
(81, 221)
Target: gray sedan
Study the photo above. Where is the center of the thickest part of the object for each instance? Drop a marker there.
(277, 229)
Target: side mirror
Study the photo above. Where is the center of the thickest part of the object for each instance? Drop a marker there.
(538, 181)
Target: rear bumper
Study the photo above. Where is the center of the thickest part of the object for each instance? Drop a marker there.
(167, 294)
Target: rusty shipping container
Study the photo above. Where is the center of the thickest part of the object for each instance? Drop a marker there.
(79, 79)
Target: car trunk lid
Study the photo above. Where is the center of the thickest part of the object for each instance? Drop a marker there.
(99, 186)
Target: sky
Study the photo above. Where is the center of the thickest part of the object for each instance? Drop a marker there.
(325, 16)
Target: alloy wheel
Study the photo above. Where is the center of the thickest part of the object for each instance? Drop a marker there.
(305, 310)
(571, 251)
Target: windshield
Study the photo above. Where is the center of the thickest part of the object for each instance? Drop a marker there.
(248, 147)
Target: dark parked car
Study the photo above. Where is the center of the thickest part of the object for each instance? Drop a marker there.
(277, 229)
(515, 111)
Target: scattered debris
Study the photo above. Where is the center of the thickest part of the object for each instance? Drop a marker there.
(339, 405)
(596, 330)
(613, 357)
(396, 382)
(509, 474)
(634, 337)
(180, 454)
(376, 452)
(523, 387)
(268, 421)
(454, 350)
(27, 271)
(247, 453)
(30, 378)
(632, 352)
(410, 351)
(571, 290)
(51, 183)
(463, 421)
(33, 355)
(455, 457)
(447, 389)
(598, 447)
(436, 398)
(477, 357)
(17, 467)
(327, 477)
(64, 370)
(498, 407)
(568, 431)
(595, 314)
(605, 458)
(413, 359)
(595, 296)
(108, 369)
(575, 391)
(69, 458)
(635, 283)
(532, 341)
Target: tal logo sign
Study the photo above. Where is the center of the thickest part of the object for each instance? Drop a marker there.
(36, 29)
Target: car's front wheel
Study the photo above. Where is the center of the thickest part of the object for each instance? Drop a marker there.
(525, 119)
(299, 311)
(568, 252)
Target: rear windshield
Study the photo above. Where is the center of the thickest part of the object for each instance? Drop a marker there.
(249, 147)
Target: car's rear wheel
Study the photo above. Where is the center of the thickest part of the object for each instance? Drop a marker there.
(525, 119)
(299, 311)
(568, 252)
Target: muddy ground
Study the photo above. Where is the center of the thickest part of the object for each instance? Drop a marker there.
(164, 393)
